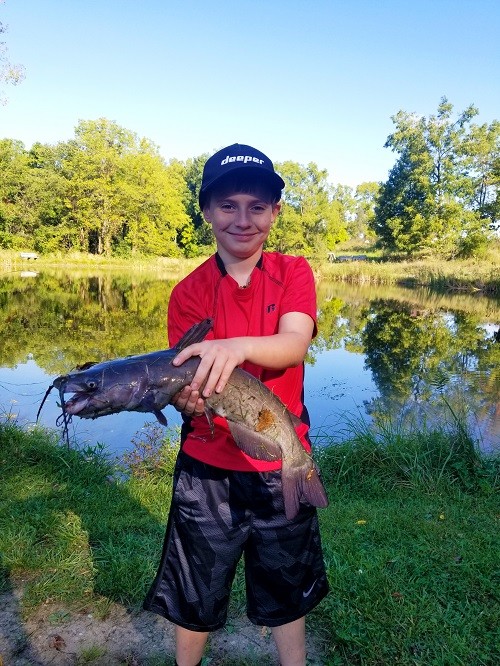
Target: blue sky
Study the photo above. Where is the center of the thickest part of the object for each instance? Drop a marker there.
(313, 80)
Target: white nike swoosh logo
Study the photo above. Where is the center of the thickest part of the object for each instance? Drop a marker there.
(306, 594)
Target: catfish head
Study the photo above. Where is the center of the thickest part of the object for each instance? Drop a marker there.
(103, 388)
(96, 389)
(142, 383)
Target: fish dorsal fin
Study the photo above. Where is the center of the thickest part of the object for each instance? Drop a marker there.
(195, 334)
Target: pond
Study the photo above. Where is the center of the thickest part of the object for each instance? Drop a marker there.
(381, 352)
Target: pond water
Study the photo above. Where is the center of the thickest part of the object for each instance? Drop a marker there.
(380, 353)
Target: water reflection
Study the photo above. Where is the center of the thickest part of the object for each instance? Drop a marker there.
(379, 351)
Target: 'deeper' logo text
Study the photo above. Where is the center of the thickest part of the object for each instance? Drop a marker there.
(241, 158)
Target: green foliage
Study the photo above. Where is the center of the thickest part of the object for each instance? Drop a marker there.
(361, 221)
(201, 240)
(108, 192)
(311, 221)
(441, 194)
(105, 191)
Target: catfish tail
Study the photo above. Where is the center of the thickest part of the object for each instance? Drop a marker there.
(299, 483)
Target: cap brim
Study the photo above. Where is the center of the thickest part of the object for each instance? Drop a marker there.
(272, 178)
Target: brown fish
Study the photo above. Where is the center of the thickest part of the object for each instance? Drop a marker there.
(259, 422)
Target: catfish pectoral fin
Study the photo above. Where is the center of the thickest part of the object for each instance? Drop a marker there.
(160, 416)
(301, 482)
(253, 443)
(209, 415)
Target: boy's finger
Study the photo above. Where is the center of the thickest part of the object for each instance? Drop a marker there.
(190, 405)
(223, 380)
(180, 358)
(213, 377)
(184, 354)
(204, 372)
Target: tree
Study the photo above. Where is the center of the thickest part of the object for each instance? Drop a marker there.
(429, 202)
(13, 171)
(402, 208)
(483, 162)
(152, 200)
(364, 212)
(52, 233)
(93, 166)
(310, 220)
(202, 241)
(121, 195)
(9, 73)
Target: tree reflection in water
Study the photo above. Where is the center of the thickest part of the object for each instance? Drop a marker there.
(425, 353)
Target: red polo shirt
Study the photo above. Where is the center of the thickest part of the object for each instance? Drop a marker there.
(279, 284)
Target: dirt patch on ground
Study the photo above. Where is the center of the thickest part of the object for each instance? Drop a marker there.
(56, 637)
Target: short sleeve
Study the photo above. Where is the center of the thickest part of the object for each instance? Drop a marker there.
(300, 289)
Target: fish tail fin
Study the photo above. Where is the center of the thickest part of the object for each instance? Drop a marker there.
(195, 334)
(302, 482)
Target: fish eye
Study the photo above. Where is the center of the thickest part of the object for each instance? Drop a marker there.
(91, 385)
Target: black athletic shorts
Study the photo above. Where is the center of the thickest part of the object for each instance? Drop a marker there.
(216, 516)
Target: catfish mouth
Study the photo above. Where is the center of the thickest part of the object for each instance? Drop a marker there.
(77, 403)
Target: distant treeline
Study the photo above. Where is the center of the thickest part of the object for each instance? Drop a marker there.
(106, 191)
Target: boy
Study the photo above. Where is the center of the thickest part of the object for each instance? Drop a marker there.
(225, 503)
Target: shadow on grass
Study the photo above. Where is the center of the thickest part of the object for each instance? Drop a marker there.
(14, 640)
(75, 541)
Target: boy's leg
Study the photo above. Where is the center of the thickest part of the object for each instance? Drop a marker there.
(290, 640)
(189, 646)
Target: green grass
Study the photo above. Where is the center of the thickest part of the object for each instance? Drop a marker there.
(411, 545)
(410, 539)
(72, 531)
(438, 275)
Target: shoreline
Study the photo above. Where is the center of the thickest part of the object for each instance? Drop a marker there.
(467, 276)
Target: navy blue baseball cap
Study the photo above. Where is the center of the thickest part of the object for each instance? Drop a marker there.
(244, 159)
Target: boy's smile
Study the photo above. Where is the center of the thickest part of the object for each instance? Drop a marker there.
(241, 223)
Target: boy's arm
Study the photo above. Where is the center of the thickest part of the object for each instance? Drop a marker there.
(285, 349)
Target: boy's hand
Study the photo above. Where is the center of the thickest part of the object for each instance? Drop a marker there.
(189, 402)
(220, 357)
(218, 360)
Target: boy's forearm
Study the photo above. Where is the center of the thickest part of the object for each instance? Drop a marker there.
(279, 351)
(286, 348)
(276, 352)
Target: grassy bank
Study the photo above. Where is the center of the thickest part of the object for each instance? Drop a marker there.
(471, 276)
(410, 539)
(173, 267)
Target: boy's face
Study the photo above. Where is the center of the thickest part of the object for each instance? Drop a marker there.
(240, 222)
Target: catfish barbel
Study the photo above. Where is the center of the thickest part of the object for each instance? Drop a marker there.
(259, 422)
